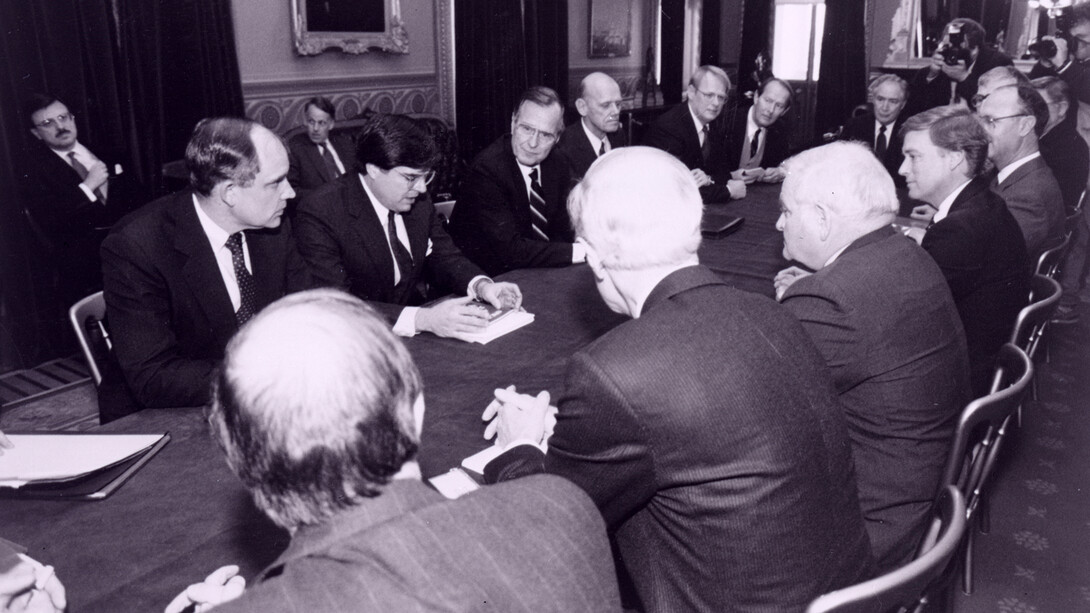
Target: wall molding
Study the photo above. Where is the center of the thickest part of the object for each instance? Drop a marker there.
(444, 58)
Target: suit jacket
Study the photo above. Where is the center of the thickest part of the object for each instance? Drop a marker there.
(776, 136)
(982, 254)
(1068, 158)
(346, 247)
(1035, 200)
(581, 154)
(861, 128)
(710, 437)
(929, 94)
(534, 545)
(675, 133)
(491, 222)
(883, 317)
(169, 312)
(308, 170)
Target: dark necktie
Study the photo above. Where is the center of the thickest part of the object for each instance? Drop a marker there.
(538, 221)
(330, 163)
(402, 258)
(880, 143)
(246, 288)
(753, 144)
(602, 148)
(81, 170)
(706, 146)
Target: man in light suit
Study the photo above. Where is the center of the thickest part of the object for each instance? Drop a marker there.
(316, 156)
(375, 234)
(693, 132)
(184, 272)
(705, 428)
(879, 310)
(880, 127)
(1015, 117)
(599, 130)
(318, 409)
(510, 213)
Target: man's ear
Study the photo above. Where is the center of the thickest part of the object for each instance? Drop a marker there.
(954, 158)
(36, 133)
(593, 260)
(1026, 125)
(581, 106)
(226, 192)
(824, 221)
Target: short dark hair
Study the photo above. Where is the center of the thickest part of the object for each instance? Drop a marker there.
(1032, 103)
(35, 102)
(221, 149)
(783, 84)
(1080, 13)
(389, 140)
(954, 128)
(974, 32)
(327, 419)
(1056, 89)
(322, 104)
(539, 95)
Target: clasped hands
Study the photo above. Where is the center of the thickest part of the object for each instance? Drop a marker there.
(512, 417)
(786, 277)
(458, 317)
(223, 585)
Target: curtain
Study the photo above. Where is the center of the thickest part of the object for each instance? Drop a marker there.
(547, 44)
(756, 26)
(843, 81)
(671, 53)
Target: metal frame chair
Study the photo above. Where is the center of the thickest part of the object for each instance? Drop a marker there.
(907, 586)
(1032, 320)
(1048, 263)
(90, 311)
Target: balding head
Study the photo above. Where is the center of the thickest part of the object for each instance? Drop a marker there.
(599, 104)
(1000, 76)
(314, 406)
(1014, 118)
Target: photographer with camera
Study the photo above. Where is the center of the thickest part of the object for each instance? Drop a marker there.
(959, 60)
(1067, 55)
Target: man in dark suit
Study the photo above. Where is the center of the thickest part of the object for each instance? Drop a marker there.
(693, 133)
(71, 195)
(1065, 152)
(316, 156)
(973, 237)
(705, 428)
(759, 137)
(959, 60)
(319, 409)
(372, 233)
(599, 130)
(184, 272)
(511, 210)
(879, 310)
(880, 127)
(1015, 117)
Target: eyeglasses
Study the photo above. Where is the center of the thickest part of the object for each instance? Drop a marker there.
(711, 96)
(321, 123)
(428, 177)
(529, 132)
(991, 121)
(59, 119)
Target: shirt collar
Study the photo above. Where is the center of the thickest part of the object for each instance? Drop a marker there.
(834, 256)
(83, 154)
(595, 142)
(696, 120)
(944, 207)
(751, 123)
(217, 236)
(1015, 165)
(382, 212)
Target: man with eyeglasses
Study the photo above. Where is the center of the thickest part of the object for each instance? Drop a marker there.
(376, 235)
(72, 195)
(1071, 61)
(1015, 118)
(599, 130)
(880, 127)
(511, 211)
(759, 138)
(694, 133)
(318, 156)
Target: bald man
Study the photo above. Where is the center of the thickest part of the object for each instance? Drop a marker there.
(599, 129)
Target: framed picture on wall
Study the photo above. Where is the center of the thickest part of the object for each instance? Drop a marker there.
(351, 26)
(610, 28)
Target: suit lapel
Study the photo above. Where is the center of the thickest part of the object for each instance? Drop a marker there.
(1021, 172)
(366, 226)
(316, 160)
(199, 265)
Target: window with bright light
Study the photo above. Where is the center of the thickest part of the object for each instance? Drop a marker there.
(796, 41)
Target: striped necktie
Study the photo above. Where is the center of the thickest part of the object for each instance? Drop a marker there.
(330, 163)
(538, 221)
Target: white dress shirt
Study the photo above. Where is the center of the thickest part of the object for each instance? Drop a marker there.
(85, 157)
(944, 207)
(1015, 165)
(217, 239)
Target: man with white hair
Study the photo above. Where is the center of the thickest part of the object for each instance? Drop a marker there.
(880, 127)
(879, 310)
(705, 428)
(599, 129)
(318, 409)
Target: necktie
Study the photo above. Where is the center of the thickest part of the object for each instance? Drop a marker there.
(602, 149)
(81, 170)
(330, 163)
(402, 258)
(246, 287)
(706, 144)
(753, 144)
(880, 143)
(538, 221)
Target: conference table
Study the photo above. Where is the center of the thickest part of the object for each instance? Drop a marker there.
(185, 514)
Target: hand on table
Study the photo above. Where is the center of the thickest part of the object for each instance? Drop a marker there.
(747, 175)
(773, 175)
(501, 295)
(700, 177)
(786, 277)
(923, 212)
(223, 585)
(31, 587)
(513, 416)
(452, 318)
(737, 189)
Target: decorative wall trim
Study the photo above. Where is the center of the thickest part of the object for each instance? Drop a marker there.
(444, 58)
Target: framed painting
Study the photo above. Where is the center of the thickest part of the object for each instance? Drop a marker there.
(350, 26)
(610, 28)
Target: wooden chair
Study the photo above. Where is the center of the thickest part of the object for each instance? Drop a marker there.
(87, 317)
(908, 586)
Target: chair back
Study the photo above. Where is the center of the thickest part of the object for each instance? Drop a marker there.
(908, 585)
(1029, 326)
(87, 317)
(1048, 263)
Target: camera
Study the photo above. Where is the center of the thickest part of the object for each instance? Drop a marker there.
(1042, 49)
(952, 52)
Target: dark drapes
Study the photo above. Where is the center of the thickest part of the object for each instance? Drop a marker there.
(756, 23)
(671, 50)
(137, 74)
(843, 73)
(547, 44)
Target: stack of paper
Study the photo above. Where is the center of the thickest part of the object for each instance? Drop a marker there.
(501, 322)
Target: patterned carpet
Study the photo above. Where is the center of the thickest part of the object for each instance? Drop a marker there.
(1035, 557)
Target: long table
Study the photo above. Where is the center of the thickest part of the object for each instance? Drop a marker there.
(184, 514)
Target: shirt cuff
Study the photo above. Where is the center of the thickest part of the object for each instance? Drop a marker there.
(471, 290)
(406, 322)
(578, 253)
(90, 193)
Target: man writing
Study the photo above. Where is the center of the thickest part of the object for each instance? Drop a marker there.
(599, 129)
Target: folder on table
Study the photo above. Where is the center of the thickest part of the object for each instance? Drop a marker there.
(718, 226)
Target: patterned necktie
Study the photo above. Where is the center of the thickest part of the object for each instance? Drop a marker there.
(330, 163)
(402, 258)
(706, 145)
(753, 144)
(880, 143)
(246, 287)
(538, 221)
(81, 170)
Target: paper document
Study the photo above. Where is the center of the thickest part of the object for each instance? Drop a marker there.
(501, 322)
(61, 457)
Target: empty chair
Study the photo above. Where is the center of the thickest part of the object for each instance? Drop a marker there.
(87, 317)
(907, 586)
